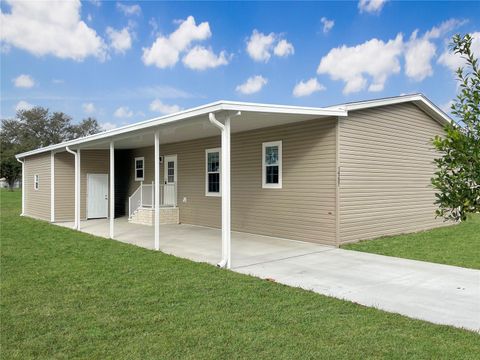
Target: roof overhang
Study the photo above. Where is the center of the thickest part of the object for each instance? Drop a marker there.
(418, 99)
(193, 123)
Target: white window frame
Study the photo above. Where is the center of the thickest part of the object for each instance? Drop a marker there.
(36, 182)
(264, 166)
(209, 151)
(143, 168)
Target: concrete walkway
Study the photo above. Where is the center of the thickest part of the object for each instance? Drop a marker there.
(437, 293)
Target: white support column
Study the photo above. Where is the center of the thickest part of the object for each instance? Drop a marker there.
(77, 186)
(225, 189)
(23, 185)
(226, 208)
(52, 186)
(79, 190)
(112, 189)
(157, 190)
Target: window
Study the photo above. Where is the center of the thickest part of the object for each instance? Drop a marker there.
(212, 180)
(272, 165)
(36, 182)
(139, 168)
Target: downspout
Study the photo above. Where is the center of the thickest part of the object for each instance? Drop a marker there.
(23, 185)
(225, 262)
(77, 197)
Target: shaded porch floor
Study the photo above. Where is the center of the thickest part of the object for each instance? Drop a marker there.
(202, 244)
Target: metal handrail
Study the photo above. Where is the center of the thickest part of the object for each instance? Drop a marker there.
(144, 196)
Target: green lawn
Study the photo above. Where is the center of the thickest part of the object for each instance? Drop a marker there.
(66, 294)
(457, 245)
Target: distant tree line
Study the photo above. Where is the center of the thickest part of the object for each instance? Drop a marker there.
(35, 128)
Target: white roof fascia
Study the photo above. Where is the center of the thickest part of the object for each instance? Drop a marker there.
(189, 113)
(428, 106)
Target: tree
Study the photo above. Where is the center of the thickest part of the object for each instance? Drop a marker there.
(35, 128)
(457, 179)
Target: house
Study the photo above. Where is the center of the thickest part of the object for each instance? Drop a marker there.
(327, 175)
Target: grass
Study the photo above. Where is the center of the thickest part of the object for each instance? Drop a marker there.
(66, 294)
(457, 245)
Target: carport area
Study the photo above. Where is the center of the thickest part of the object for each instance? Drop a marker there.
(202, 244)
(433, 292)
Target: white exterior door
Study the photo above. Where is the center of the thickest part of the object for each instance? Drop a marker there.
(170, 180)
(97, 198)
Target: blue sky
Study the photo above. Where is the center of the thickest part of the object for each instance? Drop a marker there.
(122, 62)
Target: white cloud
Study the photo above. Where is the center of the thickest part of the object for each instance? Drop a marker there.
(420, 51)
(283, 48)
(418, 56)
(454, 61)
(58, 81)
(108, 126)
(24, 81)
(158, 106)
(129, 10)
(120, 40)
(165, 51)
(445, 27)
(89, 17)
(252, 85)
(123, 112)
(327, 24)
(23, 105)
(305, 88)
(50, 27)
(374, 58)
(201, 58)
(371, 6)
(88, 108)
(259, 46)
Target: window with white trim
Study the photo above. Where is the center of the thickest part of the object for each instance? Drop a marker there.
(36, 182)
(139, 168)
(272, 165)
(212, 172)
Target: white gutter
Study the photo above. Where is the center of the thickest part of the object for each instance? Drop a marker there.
(77, 188)
(194, 112)
(225, 262)
(23, 185)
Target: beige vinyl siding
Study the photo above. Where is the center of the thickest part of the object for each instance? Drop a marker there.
(91, 162)
(37, 202)
(304, 209)
(64, 186)
(386, 163)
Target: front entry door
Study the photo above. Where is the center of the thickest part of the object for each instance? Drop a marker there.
(97, 198)
(170, 180)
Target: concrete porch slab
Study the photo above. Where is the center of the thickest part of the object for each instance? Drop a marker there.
(433, 292)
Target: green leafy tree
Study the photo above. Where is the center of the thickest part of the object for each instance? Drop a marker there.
(457, 179)
(34, 128)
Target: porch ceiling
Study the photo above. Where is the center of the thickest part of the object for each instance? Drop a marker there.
(199, 127)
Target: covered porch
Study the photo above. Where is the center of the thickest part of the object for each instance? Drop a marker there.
(137, 176)
(202, 244)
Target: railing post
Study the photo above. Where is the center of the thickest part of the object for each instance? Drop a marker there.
(129, 207)
(153, 194)
(175, 194)
(141, 193)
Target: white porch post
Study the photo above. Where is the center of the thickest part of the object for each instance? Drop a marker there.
(157, 190)
(52, 186)
(77, 186)
(79, 190)
(112, 189)
(23, 185)
(226, 208)
(225, 189)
